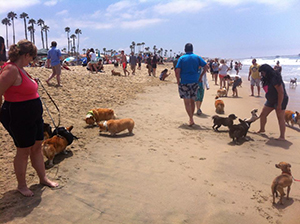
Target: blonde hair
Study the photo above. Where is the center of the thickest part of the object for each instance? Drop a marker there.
(21, 48)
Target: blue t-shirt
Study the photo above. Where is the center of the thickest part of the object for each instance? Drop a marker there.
(189, 65)
(54, 54)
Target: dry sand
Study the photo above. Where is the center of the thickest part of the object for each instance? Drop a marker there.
(166, 172)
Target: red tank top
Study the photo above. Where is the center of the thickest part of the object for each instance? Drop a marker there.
(27, 90)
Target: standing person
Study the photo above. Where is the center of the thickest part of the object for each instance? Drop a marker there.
(149, 65)
(255, 77)
(124, 63)
(200, 92)
(26, 128)
(54, 55)
(215, 67)
(276, 96)
(278, 68)
(139, 60)
(175, 62)
(236, 68)
(2, 51)
(188, 77)
(223, 69)
(154, 64)
(132, 61)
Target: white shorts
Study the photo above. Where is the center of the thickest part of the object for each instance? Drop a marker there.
(255, 82)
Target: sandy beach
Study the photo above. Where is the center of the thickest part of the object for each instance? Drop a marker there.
(166, 172)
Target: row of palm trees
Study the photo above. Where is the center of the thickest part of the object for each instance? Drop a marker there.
(71, 40)
(9, 20)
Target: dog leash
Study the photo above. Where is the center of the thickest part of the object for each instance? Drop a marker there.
(295, 179)
(47, 107)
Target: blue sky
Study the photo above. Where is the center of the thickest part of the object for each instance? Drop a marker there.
(216, 28)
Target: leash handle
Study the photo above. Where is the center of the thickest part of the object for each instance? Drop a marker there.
(52, 102)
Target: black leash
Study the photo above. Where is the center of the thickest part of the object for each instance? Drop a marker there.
(47, 107)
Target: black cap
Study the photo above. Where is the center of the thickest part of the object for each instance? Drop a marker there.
(188, 48)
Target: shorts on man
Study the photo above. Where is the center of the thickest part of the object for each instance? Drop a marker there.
(56, 69)
(255, 82)
(124, 65)
(188, 91)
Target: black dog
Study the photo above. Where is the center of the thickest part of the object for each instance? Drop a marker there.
(238, 131)
(225, 121)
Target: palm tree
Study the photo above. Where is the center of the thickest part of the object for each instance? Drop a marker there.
(7, 23)
(30, 29)
(41, 23)
(133, 46)
(73, 37)
(46, 29)
(12, 16)
(170, 53)
(154, 49)
(139, 44)
(24, 16)
(67, 30)
(84, 50)
(104, 50)
(32, 22)
(166, 52)
(78, 31)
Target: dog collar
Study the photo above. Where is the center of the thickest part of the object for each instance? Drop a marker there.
(294, 117)
(287, 173)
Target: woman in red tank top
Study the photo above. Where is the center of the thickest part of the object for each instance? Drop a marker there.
(21, 114)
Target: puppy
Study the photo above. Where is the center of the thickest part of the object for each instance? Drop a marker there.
(293, 82)
(116, 126)
(225, 121)
(282, 181)
(113, 72)
(222, 92)
(292, 117)
(100, 114)
(253, 117)
(62, 137)
(219, 104)
(238, 131)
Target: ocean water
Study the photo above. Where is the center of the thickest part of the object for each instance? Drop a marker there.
(290, 69)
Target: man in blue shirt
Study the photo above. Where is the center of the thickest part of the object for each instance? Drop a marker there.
(188, 77)
(54, 55)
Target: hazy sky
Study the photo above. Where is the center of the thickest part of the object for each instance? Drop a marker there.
(216, 28)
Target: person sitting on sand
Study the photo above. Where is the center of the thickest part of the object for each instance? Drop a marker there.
(277, 98)
(92, 64)
(164, 74)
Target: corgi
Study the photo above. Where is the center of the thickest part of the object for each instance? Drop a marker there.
(62, 137)
(113, 72)
(222, 92)
(292, 117)
(219, 104)
(99, 114)
(116, 126)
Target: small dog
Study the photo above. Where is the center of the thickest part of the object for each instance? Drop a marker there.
(238, 131)
(282, 181)
(293, 82)
(225, 121)
(219, 104)
(62, 137)
(116, 126)
(222, 92)
(114, 73)
(100, 114)
(253, 117)
(292, 117)
(47, 131)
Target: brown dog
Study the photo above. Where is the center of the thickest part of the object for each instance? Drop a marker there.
(219, 104)
(116, 126)
(222, 92)
(293, 117)
(113, 72)
(57, 143)
(282, 181)
(100, 114)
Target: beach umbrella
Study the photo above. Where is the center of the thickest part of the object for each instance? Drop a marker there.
(70, 59)
(42, 52)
